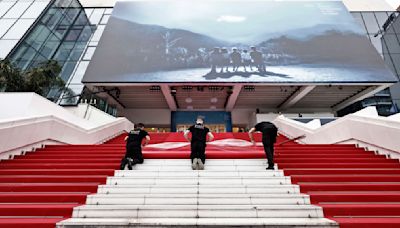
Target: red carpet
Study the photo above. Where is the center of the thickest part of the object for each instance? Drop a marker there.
(356, 188)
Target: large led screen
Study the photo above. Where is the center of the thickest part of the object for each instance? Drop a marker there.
(234, 41)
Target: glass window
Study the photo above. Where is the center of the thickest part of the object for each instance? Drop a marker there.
(60, 31)
(392, 43)
(73, 35)
(5, 25)
(77, 51)
(396, 60)
(71, 14)
(394, 27)
(64, 51)
(18, 9)
(38, 36)
(88, 11)
(86, 34)
(5, 6)
(81, 20)
(19, 29)
(27, 58)
(18, 54)
(97, 34)
(67, 70)
(49, 48)
(96, 16)
(80, 71)
(93, 43)
(381, 17)
(105, 19)
(53, 20)
(371, 23)
(6, 47)
(35, 9)
(108, 11)
(68, 97)
(89, 53)
(377, 43)
(62, 3)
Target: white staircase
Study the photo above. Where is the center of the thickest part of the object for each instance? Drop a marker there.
(227, 193)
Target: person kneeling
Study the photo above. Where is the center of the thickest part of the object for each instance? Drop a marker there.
(134, 146)
(198, 143)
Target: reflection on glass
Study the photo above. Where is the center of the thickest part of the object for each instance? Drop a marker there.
(18, 29)
(35, 9)
(18, 9)
(61, 33)
(370, 22)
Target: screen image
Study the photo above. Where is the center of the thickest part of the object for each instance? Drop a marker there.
(234, 41)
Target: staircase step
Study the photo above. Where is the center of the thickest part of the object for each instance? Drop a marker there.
(48, 187)
(18, 222)
(355, 197)
(192, 181)
(59, 166)
(339, 165)
(168, 199)
(335, 160)
(70, 172)
(201, 211)
(64, 210)
(367, 222)
(195, 174)
(346, 178)
(197, 222)
(346, 186)
(348, 209)
(52, 179)
(43, 198)
(217, 189)
(323, 171)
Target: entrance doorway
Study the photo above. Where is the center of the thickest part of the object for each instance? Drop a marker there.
(217, 128)
(217, 121)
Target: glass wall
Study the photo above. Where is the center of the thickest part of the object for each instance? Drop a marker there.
(16, 17)
(61, 33)
(386, 42)
(383, 30)
(98, 18)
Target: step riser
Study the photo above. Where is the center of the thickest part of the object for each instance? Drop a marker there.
(278, 160)
(226, 213)
(338, 171)
(198, 190)
(200, 201)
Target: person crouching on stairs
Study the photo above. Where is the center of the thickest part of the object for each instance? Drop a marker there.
(134, 146)
(198, 143)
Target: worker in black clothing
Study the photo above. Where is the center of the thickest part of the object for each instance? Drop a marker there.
(269, 133)
(134, 146)
(198, 143)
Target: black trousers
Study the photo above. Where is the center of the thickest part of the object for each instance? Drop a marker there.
(198, 150)
(134, 153)
(269, 151)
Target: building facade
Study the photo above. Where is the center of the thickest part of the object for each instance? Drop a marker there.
(69, 31)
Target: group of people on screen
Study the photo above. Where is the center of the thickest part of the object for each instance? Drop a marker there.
(198, 135)
(224, 60)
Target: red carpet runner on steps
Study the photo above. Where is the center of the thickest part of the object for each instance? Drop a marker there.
(356, 188)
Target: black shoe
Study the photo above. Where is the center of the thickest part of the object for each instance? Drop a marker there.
(123, 164)
(270, 167)
(130, 163)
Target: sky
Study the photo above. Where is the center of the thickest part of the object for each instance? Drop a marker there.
(239, 21)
